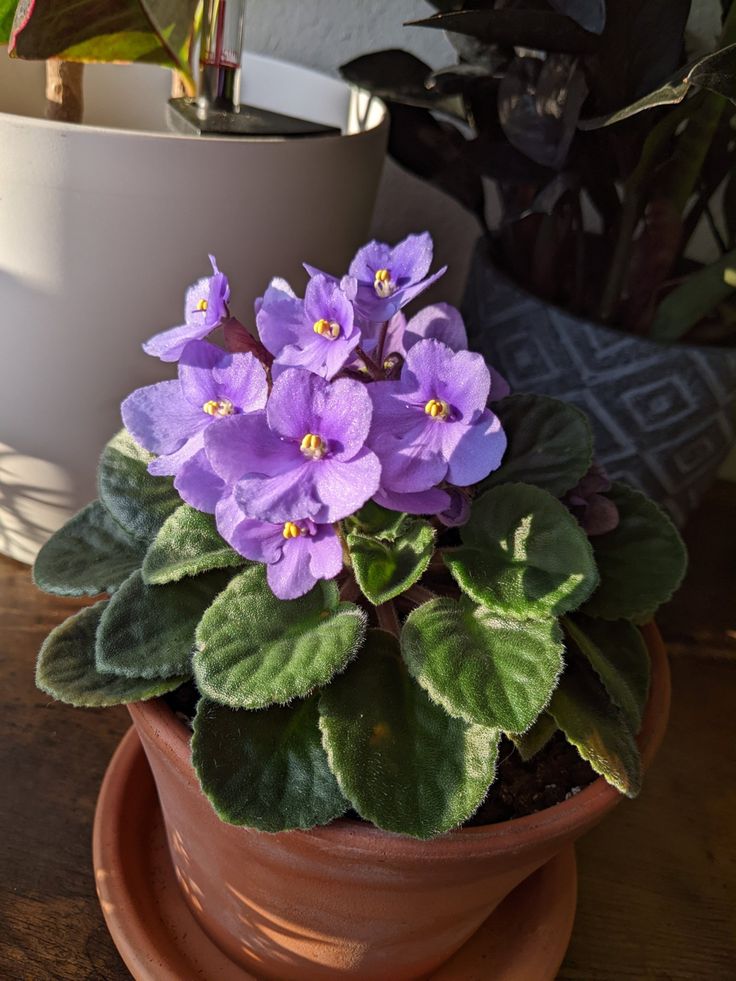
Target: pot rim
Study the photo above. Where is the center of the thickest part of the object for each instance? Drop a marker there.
(67, 130)
(481, 248)
(561, 820)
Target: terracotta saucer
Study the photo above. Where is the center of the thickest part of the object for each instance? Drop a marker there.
(159, 939)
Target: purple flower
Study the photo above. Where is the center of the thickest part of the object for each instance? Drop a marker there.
(382, 279)
(597, 514)
(431, 501)
(305, 457)
(458, 511)
(439, 321)
(432, 424)
(205, 307)
(170, 418)
(318, 332)
(297, 553)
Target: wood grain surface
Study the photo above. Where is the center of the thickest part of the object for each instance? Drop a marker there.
(657, 879)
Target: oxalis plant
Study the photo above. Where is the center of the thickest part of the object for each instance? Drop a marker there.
(371, 560)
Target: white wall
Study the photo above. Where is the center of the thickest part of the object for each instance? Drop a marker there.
(326, 33)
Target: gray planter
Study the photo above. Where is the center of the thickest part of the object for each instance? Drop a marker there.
(663, 416)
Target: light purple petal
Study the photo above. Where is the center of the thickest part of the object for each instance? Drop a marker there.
(367, 260)
(280, 317)
(169, 344)
(393, 415)
(228, 515)
(345, 487)
(171, 463)
(478, 452)
(288, 496)
(461, 378)
(242, 444)
(199, 485)
(291, 577)
(415, 462)
(411, 258)
(343, 417)
(421, 502)
(242, 378)
(325, 299)
(260, 541)
(215, 292)
(159, 418)
(195, 372)
(297, 397)
(440, 321)
(325, 553)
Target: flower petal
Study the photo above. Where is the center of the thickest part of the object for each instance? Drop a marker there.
(287, 496)
(280, 317)
(199, 485)
(195, 372)
(478, 452)
(242, 444)
(171, 463)
(343, 487)
(159, 418)
(291, 576)
(325, 553)
(411, 258)
(440, 321)
(242, 378)
(431, 501)
(168, 344)
(260, 541)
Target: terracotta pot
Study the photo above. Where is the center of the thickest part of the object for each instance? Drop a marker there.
(348, 900)
(664, 415)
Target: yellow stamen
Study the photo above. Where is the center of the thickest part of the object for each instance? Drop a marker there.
(327, 328)
(215, 408)
(202, 306)
(313, 446)
(290, 530)
(437, 408)
(383, 284)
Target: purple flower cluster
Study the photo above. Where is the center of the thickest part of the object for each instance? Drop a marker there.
(351, 402)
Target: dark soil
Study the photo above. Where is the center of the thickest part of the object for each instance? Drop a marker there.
(554, 774)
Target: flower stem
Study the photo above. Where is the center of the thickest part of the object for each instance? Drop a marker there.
(382, 343)
(388, 618)
(373, 369)
(419, 595)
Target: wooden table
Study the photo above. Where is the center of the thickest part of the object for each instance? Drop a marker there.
(657, 879)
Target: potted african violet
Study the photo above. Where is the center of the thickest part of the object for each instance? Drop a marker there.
(384, 628)
(594, 143)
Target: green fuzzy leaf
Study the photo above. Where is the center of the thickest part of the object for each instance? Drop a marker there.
(715, 71)
(550, 443)
(372, 519)
(616, 651)
(495, 671)
(187, 544)
(255, 650)
(66, 667)
(136, 499)
(524, 555)
(402, 761)
(583, 710)
(641, 562)
(148, 631)
(90, 554)
(386, 567)
(529, 743)
(266, 770)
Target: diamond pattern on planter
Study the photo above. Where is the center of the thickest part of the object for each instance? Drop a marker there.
(664, 416)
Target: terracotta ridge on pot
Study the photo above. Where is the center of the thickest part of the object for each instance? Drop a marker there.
(349, 900)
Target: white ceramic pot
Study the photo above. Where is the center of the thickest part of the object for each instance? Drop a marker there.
(102, 227)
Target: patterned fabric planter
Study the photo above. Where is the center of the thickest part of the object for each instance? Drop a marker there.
(664, 416)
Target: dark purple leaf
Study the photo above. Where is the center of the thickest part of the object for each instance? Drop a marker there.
(542, 29)
(539, 103)
(398, 76)
(715, 71)
(590, 14)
